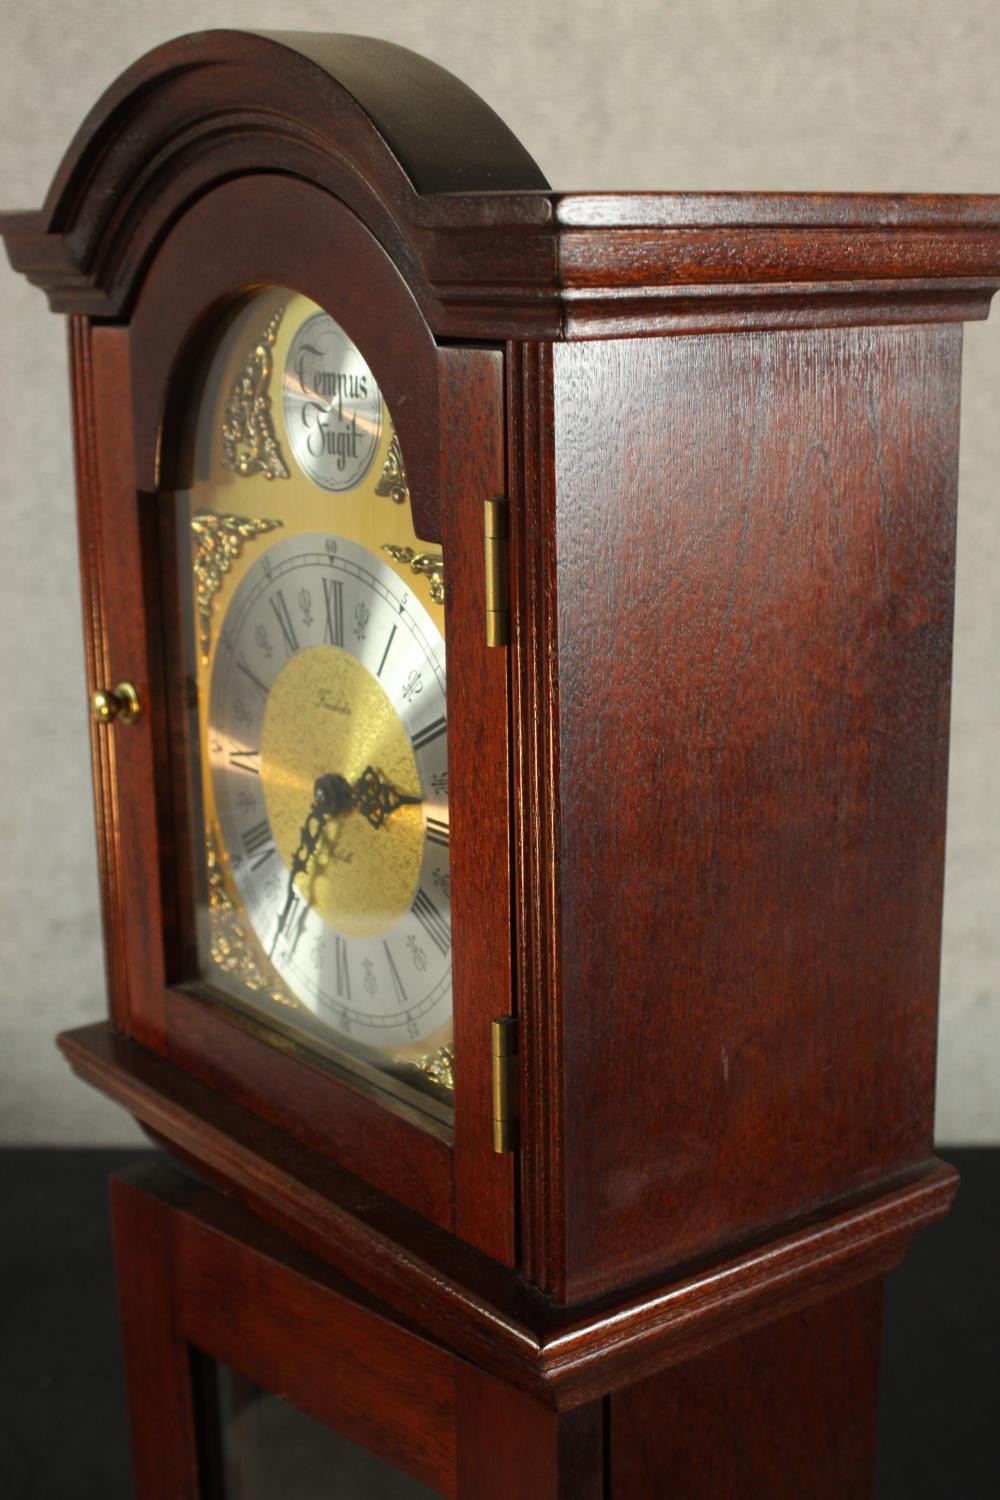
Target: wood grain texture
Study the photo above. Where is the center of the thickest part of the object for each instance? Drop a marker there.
(786, 1412)
(473, 470)
(481, 1311)
(394, 1145)
(755, 565)
(163, 1419)
(535, 698)
(121, 643)
(218, 105)
(511, 1446)
(213, 1279)
(462, 210)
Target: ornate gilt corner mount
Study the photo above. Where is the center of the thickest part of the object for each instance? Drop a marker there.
(429, 565)
(218, 541)
(393, 479)
(231, 946)
(439, 1068)
(249, 444)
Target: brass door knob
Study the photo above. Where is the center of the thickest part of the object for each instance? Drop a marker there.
(120, 702)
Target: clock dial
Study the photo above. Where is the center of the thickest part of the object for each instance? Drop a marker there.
(329, 669)
(319, 744)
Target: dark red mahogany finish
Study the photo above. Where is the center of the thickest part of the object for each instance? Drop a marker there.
(698, 806)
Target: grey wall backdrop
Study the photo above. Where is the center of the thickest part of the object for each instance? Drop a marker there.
(868, 95)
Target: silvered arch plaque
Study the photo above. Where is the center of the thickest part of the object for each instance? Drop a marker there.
(333, 408)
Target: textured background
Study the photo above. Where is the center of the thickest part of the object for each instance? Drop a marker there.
(868, 95)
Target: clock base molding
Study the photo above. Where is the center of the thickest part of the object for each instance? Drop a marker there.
(788, 1408)
(563, 1356)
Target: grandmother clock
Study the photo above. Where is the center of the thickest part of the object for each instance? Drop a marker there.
(519, 630)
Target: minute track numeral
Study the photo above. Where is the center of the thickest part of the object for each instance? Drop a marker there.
(432, 921)
(397, 983)
(343, 972)
(257, 841)
(284, 619)
(249, 672)
(430, 732)
(333, 599)
(437, 832)
(245, 760)
(385, 653)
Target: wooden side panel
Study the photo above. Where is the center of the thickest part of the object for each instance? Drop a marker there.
(162, 1416)
(473, 471)
(113, 559)
(511, 1446)
(754, 542)
(335, 1359)
(197, 1273)
(788, 1411)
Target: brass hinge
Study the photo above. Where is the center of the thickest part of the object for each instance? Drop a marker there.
(495, 558)
(504, 1047)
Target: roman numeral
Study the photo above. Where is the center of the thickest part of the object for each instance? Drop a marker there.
(262, 690)
(245, 760)
(396, 981)
(437, 832)
(425, 736)
(257, 840)
(333, 596)
(432, 921)
(284, 619)
(343, 972)
(385, 653)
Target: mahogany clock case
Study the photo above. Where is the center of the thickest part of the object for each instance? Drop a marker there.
(697, 805)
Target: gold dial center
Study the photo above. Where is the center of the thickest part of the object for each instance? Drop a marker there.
(327, 714)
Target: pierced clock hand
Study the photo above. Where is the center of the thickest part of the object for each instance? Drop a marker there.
(375, 798)
(309, 836)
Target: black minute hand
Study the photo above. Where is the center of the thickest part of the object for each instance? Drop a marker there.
(333, 795)
(327, 802)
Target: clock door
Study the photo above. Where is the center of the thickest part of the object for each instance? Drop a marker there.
(313, 627)
(313, 837)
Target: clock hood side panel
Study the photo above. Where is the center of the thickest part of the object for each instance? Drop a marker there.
(755, 569)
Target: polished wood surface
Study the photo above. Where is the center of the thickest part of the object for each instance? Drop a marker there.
(473, 470)
(732, 1424)
(196, 1275)
(465, 1300)
(163, 1415)
(753, 567)
(465, 213)
(117, 531)
(788, 1410)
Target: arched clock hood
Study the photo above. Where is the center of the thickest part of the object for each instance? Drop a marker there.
(384, 130)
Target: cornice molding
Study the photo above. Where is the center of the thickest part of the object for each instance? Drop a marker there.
(464, 212)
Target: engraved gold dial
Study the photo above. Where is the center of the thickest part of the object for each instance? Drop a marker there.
(315, 647)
